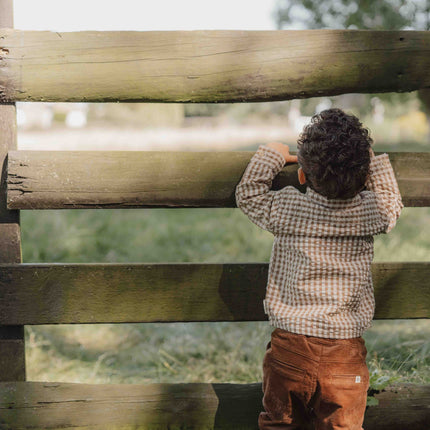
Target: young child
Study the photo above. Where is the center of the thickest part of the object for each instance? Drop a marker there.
(319, 294)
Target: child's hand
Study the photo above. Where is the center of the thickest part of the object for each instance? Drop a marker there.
(284, 150)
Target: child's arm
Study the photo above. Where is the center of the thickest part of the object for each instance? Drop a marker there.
(383, 183)
(253, 194)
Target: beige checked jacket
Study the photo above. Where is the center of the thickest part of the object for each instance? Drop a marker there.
(319, 281)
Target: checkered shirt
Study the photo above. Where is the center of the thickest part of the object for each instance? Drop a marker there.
(319, 281)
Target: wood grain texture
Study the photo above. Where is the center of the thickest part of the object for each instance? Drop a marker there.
(136, 179)
(6, 16)
(12, 346)
(114, 293)
(209, 65)
(199, 406)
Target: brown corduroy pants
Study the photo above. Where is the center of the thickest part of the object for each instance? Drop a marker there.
(313, 383)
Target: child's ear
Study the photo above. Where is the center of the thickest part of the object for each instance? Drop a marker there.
(301, 175)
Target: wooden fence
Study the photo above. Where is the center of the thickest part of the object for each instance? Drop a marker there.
(176, 66)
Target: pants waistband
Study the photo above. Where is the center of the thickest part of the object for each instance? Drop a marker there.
(313, 348)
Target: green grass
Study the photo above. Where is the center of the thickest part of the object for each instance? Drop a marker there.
(182, 235)
(199, 352)
(192, 352)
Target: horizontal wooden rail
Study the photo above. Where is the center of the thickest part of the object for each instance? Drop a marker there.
(209, 65)
(133, 179)
(115, 293)
(199, 406)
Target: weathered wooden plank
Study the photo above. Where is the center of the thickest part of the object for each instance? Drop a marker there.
(133, 179)
(12, 348)
(209, 65)
(199, 406)
(12, 353)
(114, 293)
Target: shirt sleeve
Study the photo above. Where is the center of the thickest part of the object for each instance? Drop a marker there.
(253, 193)
(382, 182)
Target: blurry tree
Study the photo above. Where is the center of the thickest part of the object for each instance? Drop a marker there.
(357, 14)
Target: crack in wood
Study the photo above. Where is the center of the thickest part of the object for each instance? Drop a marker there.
(20, 190)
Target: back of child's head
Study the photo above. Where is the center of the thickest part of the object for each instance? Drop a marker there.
(334, 153)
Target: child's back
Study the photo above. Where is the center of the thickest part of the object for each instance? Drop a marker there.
(319, 292)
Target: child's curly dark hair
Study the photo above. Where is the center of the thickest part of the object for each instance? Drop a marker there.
(333, 151)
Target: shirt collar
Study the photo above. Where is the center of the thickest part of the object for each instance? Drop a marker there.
(332, 203)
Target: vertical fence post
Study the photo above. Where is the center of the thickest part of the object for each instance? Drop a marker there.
(12, 348)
